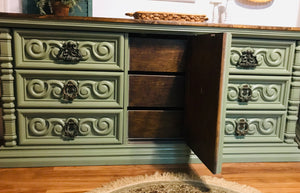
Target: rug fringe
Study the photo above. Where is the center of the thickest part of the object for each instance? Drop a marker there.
(168, 176)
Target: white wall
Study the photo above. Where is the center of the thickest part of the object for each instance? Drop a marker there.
(276, 13)
(13, 6)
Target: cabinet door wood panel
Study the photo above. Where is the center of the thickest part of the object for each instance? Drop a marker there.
(155, 124)
(204, 93)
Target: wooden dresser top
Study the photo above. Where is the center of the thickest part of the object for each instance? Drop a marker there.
(18, 16)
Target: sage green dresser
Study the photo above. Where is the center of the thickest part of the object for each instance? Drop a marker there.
(67, 92)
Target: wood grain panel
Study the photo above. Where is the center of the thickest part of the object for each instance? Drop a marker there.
(203, 83)
(157, 55)
(155, 124)
(156, 91)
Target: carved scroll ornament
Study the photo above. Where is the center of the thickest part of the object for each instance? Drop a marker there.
(251, 126)
(253, 57)
(71, 127)
(70, 50)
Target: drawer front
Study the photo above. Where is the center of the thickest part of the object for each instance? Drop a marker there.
(254, 126)
(67, 89)
(258, 92)
(254, 56)
(62, 126)
(69, 50)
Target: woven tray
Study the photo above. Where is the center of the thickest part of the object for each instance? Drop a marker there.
(165, 16)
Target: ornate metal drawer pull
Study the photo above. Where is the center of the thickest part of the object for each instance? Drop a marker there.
(69, 91)
(70, 129)
(69, 52)
(242, 127)
(247, 60)
(245, 93)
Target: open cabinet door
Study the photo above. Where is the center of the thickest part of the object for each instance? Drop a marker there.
(205, 98)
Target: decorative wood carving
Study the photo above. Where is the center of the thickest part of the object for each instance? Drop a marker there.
(259, 92)
(291, 134)
(255, 126)
(39, 127)
(156, 16)
(57, 89)
(253, 57)
(7, 90)
(50, 49)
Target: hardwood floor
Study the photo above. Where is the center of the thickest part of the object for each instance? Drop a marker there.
(267, 177)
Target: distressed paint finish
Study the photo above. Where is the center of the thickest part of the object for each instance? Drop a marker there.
(7, 81)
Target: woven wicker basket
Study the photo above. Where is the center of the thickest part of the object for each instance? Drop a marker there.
(165, 16)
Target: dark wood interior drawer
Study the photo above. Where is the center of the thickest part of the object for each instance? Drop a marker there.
(157, 54)
(158, 124)
(156, 91)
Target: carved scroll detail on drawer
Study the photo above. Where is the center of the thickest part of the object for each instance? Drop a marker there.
(46, 49)
(258, 92)
(51, 49)
(261, 56)
(62, 126)
(267, 93)
(69, 89)
(39, 89)
(263, 126)
(254, 126)
(55, 126)
(271, 58)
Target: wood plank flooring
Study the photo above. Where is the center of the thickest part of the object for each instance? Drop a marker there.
(267, 177)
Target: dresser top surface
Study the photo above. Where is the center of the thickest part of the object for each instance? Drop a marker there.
(18, 19)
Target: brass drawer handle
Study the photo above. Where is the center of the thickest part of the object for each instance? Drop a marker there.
(70, 129)
(69, 52)
(247, 60)
(242, 127)
(69, 91)
(245, 93)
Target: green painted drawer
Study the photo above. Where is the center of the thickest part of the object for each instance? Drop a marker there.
(55, 126)
(62, 50)
(273, 56)
(258, 92)
(263, 126)
(53, 89)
